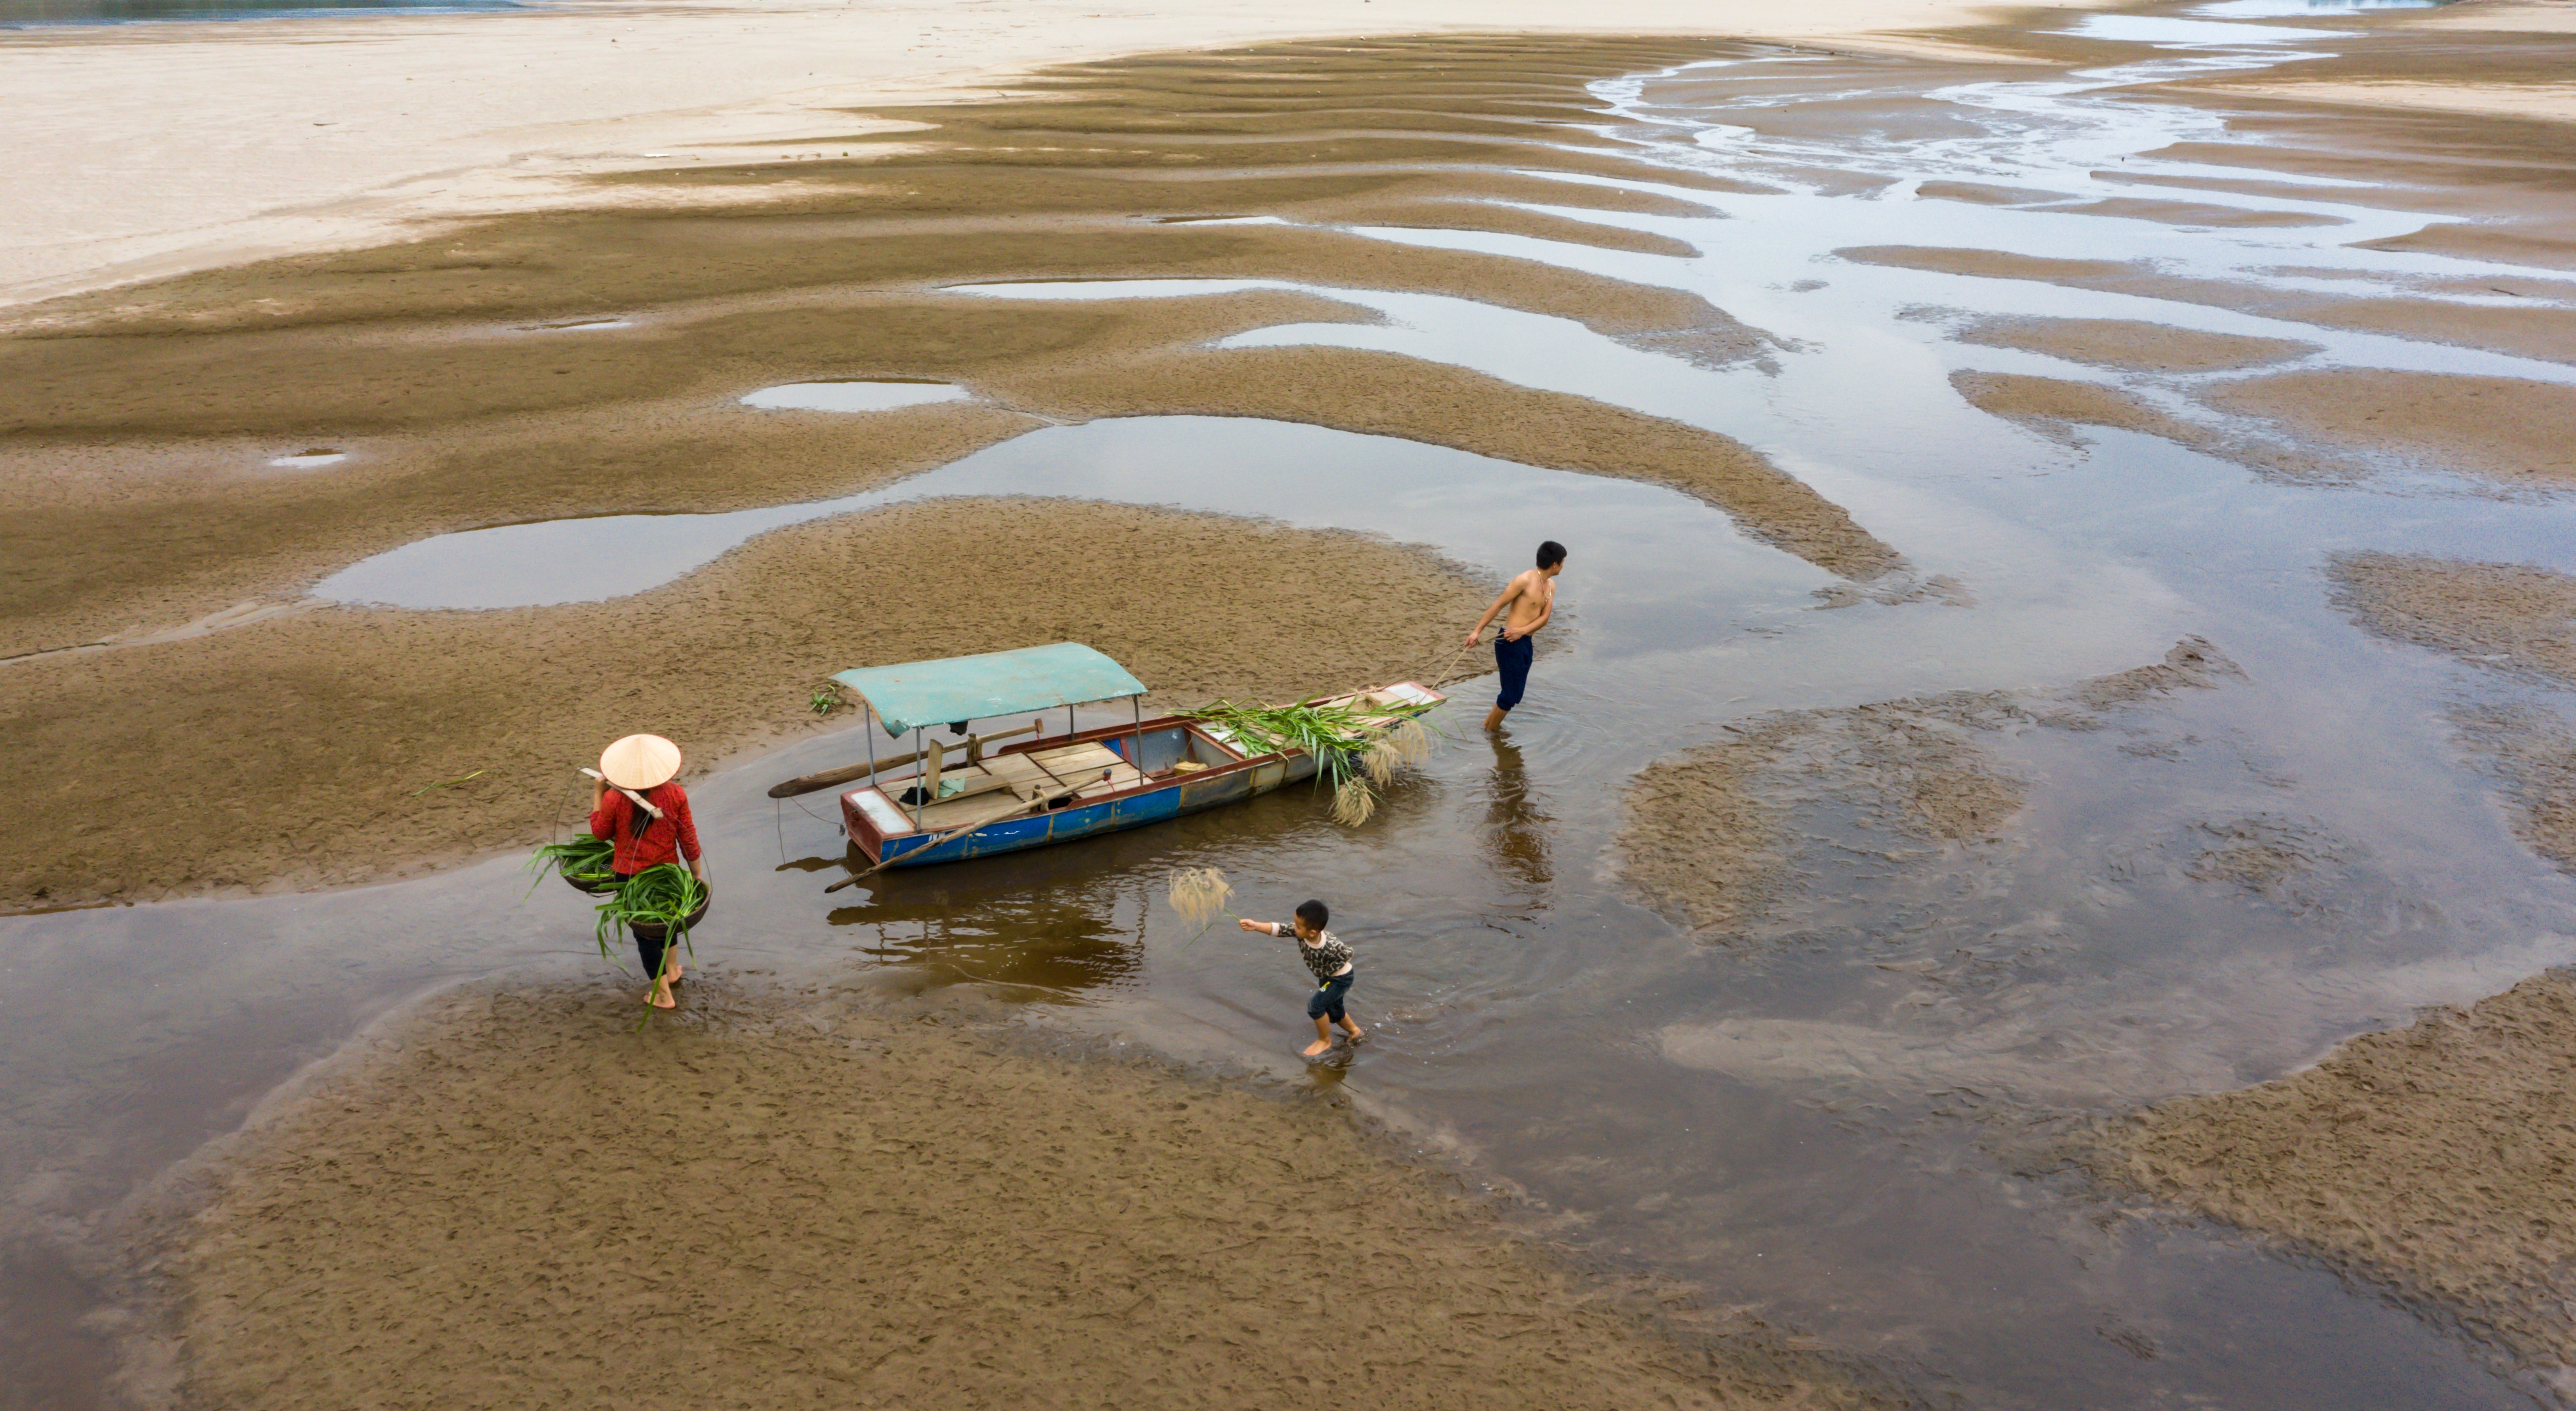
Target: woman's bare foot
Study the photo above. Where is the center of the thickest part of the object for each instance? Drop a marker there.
(1319, 1048)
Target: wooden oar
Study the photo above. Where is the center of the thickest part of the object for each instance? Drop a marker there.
(1032, 806)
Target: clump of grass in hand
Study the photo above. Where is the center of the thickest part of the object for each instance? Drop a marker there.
(664, 895)
(825, 700)
(1356, 752)
(1199, 894)
(582, 860)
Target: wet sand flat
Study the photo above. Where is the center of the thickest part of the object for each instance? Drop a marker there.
(515, 1198)
(469, 115)
(328, 734)
(427, 362)
(2129, 344)
(416, 359)
(2435, 1158)
(2514, 431)
(1707, 835)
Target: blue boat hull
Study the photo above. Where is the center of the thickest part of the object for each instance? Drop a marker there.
(1063, 825)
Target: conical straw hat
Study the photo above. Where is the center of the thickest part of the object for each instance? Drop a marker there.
(640, 762)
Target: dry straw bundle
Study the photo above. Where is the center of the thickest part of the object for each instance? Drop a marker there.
(1200, 894)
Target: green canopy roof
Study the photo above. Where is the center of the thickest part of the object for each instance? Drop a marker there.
(995, 683)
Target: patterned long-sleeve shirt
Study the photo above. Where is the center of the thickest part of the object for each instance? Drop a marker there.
(1325, 957)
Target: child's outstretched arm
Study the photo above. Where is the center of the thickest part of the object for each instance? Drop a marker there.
(1267, 928)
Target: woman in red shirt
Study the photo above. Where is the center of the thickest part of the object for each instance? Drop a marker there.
(644, 766)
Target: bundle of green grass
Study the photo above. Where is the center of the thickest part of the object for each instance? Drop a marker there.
(666, 897)
(1356, 752)
(582, 860)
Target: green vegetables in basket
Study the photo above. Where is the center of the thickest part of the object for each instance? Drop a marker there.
(582, 860)
(666, 895)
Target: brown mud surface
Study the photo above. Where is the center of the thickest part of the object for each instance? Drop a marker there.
(2132, 345)
(2055, 407)
(2503, 428)
(1707, 838)
(164, 401)
(2535, 750)
(515, 1199)
(2507, 615)
(317, 741)
(2437, 1159)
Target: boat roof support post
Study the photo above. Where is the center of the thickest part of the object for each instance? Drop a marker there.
(918, 802)
(1136, 737)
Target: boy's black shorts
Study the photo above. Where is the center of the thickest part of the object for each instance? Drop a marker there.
(1326, 1002)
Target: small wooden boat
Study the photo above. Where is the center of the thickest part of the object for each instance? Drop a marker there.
(974, 796)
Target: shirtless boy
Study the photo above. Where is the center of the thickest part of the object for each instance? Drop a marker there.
(1532, 600)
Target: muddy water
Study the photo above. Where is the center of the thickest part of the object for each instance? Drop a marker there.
(1822, 1120)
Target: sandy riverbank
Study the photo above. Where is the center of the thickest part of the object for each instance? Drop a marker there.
(514, 1197)
(326, 733)
(245, 140)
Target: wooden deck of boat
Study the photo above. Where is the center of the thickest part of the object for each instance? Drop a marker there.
(1027, 776)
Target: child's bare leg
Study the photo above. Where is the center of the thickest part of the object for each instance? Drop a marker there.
(1494, 718)
(1352, 1029)
(1323, 1038)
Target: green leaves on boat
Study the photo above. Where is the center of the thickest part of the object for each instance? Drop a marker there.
(1356, 752)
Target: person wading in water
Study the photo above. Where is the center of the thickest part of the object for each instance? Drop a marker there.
(1532, 600)
(643, 766)
(1328, 959)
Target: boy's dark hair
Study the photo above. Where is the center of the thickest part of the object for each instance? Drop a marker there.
(1550, 554)
(1313, 914)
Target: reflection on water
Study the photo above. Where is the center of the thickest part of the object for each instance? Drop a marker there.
(1516, 823)
(1805, 1117)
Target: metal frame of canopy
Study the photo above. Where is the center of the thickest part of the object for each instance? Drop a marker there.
(947, 690)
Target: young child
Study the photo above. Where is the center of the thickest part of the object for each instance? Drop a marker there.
(1329, 958)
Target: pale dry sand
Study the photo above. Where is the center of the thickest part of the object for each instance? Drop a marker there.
(319, 731)
(515, 1199)
(2500, 16)
(142, 151)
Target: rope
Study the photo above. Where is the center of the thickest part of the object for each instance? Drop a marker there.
(1454, 658)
